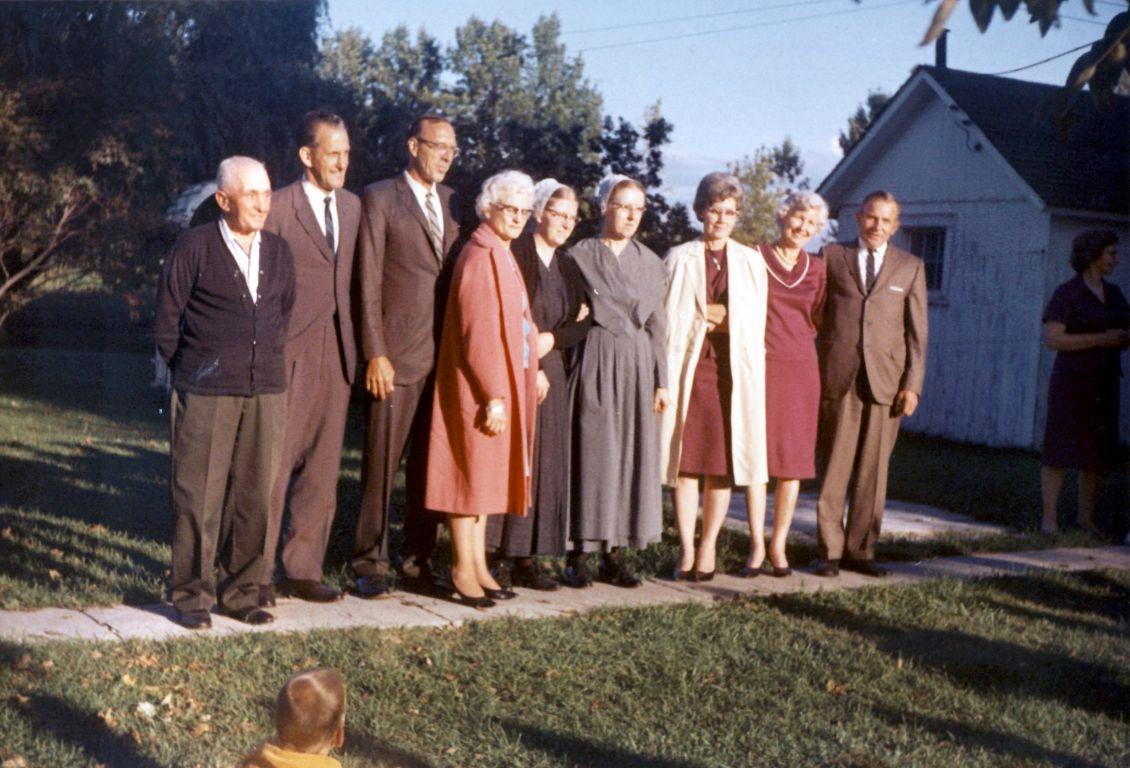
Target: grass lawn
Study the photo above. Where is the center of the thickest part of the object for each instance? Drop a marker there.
(1024, 671)
(84, 512)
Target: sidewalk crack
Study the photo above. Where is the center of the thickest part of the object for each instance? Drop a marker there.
(101, 623)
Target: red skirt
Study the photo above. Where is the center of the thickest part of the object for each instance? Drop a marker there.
(707, 447)
(792, 406)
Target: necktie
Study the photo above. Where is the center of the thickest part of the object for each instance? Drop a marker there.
(330, 225)
(870, 269)
(433, 226)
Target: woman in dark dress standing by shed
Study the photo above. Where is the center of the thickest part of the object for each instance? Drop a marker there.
(515, 541)
(1086, 322)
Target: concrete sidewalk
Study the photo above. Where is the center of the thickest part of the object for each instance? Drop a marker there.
(155, 622)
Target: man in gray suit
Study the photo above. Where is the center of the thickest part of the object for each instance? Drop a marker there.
(872, 364)
(319, 220)
(405, 248)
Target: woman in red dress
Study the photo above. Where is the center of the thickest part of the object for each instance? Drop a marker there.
(792, 373)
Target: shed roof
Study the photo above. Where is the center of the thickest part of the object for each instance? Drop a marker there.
(1085, 167)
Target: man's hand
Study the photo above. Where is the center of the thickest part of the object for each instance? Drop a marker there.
(543, 386)
(379, 376)
(906, 403)
(583, 312)
(545, 344)
(494, 417)
(661, 403)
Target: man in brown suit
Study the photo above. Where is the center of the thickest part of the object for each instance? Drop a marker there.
(872, 363)
(319, 220)
(408, 232)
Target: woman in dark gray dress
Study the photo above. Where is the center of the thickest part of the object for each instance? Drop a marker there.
(619, 390)
(515, 541)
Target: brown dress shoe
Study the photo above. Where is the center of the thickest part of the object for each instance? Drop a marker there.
(194, 619)
(309, 590)
(252, 614)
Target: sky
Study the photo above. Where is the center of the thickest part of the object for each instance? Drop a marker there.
(734, 76)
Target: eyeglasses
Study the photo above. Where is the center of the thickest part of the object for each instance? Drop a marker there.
(636, 209)
(565, 217)
(722, 213)
(512, 210)
(443, 149)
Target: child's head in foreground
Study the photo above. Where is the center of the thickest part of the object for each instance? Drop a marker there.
(310, 712)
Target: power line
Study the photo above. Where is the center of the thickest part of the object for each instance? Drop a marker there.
(694, 18)
(1045, 61)
(1084, 20)
(858, 9)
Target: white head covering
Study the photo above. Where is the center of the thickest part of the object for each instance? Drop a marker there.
(544, 190)
(605, 187)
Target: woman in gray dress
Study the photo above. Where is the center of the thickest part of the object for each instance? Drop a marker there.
(618, 389)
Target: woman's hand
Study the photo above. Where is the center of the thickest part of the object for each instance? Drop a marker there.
(542, 387)
(583, 313)
(715, 316)
(545, 344)
(494, 417)
(1117, 337)
(661, 401)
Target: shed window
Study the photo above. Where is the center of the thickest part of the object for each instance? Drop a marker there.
(929, 243)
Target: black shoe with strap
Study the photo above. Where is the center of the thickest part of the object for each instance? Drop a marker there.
(614, 572)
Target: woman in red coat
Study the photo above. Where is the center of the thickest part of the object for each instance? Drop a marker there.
(480, 451)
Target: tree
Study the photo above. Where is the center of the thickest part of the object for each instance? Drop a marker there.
(1099, 68)
(767, 178)
(131, 101)
(627, 151)
(862, 118)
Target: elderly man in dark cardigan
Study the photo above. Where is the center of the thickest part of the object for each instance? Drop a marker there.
(223, 303)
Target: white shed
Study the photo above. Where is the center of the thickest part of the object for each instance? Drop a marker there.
(992, 193)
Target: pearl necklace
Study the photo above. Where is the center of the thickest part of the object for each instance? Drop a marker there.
(799, 280)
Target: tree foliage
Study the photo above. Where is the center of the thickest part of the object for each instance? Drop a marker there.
(862, 118)
(1100, 68)
(767, 178)
(516, 101)
(121, 104)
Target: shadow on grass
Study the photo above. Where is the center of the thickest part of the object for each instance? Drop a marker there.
(86, 732)
(978, 663)
(365, 745)
(1062, 604)
(574, 750)
(1006, 745)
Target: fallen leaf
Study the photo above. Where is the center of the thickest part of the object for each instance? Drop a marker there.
(22, 700)
(107, 717)
(24, 662)
(56, 552)
(54, 575)
(97, 528)
(6, 534)
(96, 654)
(127, 679)
(200, 729)
(15, 761)
(834, 688)
(47, 665)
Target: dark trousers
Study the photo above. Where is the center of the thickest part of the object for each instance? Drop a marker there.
(857, 436)
(306, 486)
(220, 441)
(403, 419)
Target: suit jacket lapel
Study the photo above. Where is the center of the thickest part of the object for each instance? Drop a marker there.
(305, 215)
(890, 263)
(697, 273)
(450, 228)
(408, 200)
(851, 256)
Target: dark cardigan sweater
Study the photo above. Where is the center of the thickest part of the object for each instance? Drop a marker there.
(215, 339)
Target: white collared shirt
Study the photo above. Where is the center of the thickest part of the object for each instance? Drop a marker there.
(247, 261)
(421, 192)
(317, 198)
(880, 252)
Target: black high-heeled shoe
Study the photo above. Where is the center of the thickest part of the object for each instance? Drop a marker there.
(471, 602)
(681, 575)
(703, 575)
(500, 594)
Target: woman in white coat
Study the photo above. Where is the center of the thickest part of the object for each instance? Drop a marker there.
(715, 309)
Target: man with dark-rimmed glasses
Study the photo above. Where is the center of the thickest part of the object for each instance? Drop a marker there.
(408, 230)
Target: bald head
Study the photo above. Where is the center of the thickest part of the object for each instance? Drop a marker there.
(243, 194)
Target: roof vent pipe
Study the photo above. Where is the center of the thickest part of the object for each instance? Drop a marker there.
(940, 50)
